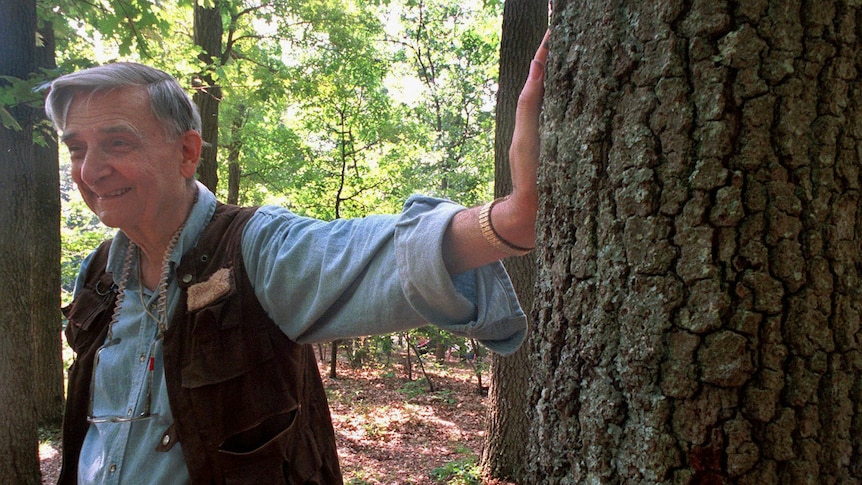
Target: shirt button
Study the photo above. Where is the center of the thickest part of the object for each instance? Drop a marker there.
(112, 468)
(166, 440)
(129, 412)
(142, 357)
(187, 278)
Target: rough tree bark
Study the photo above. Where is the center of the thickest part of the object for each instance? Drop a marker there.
(503, 452)
(698, 288)
(208, 33)
(45, 264)
(19, 462)
(234, 150)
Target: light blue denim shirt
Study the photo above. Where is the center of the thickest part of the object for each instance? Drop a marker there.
(319, 281)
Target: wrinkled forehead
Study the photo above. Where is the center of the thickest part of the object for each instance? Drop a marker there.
(112, 110)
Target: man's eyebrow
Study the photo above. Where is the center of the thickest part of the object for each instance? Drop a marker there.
(106, 130)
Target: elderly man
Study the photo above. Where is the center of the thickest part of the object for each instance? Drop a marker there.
(191, 326)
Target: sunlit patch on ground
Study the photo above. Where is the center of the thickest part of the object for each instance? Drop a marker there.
(394, 431)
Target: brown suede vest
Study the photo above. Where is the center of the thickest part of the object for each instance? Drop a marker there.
(248, 402)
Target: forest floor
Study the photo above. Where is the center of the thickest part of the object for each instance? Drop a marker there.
(392, 430)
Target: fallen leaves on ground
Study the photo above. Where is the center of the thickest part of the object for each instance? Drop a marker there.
(391, 430)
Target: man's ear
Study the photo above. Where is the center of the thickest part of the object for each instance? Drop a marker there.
(192, 142)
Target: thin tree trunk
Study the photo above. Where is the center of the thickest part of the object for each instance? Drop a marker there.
(409, 359)
(333, 360)
(234, 150)
(411, 345)
(208, 31)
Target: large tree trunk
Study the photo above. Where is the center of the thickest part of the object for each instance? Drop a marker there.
(46, 281)
(19, 462)
(208, 31)
(699, 265)
(504, 453)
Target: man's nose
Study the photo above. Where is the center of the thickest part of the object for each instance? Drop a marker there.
(94, 167)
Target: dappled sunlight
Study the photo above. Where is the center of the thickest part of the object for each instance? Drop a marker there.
(392, 430)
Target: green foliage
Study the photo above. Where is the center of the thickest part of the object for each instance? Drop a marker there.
(413, 389)
(374, 430)
(50, 436)
(463, 471)
(360, 479)
(123, 28)
(16, 93)
(452, 48)
(13, 91)
(80, 233)
(446, 396)
(344, 114)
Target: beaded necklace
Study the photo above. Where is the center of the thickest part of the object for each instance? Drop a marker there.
(161, 289)
(160, 317)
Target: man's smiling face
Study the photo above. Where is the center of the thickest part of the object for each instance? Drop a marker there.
(130, 171)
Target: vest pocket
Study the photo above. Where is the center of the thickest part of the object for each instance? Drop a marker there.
(278, 451)
(87, 307)
(228, 379)
(218, 352)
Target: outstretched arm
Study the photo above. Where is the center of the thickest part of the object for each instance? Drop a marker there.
(511, 220)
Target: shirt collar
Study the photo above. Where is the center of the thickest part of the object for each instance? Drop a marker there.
(200, 215)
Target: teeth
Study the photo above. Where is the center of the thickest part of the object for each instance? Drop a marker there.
(113, 194)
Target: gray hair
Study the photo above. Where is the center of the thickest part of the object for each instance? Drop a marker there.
(169, 103)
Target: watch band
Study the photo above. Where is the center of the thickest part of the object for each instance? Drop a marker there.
(491, 235)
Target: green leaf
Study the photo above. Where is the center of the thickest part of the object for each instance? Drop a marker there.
(8, 120)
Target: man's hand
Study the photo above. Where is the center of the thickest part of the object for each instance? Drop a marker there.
(513, 218)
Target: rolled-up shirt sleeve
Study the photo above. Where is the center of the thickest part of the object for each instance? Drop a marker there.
(321, 281)
(480, 303)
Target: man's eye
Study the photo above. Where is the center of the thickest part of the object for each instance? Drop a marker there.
(118, 146)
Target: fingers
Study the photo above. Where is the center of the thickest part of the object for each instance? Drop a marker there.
(524, 151)
(530, 101)
(542, 52)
